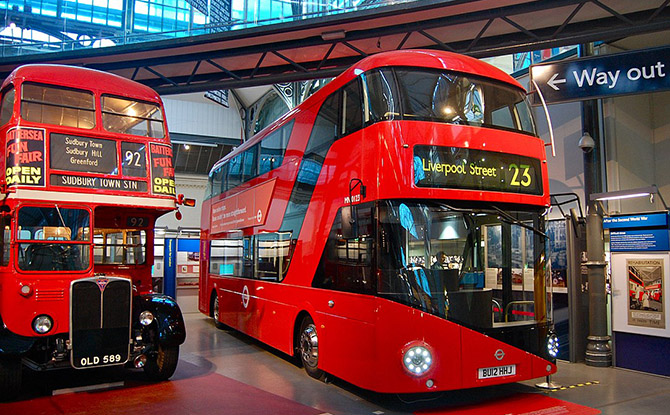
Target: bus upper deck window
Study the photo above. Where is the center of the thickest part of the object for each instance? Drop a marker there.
(125, 116)
(7, 106)
(48, 104)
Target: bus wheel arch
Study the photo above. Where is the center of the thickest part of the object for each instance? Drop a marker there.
(307, 345)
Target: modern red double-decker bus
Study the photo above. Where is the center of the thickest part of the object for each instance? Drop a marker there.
(389, 231)
(86, 171)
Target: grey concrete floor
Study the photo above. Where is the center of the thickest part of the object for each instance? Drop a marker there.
(236, 356)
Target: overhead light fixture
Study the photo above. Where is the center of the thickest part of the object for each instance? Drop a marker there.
(629, 194)
(193, 143)
(334, 35)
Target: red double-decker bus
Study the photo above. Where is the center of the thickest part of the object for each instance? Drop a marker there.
(86, 171)
(389, 230)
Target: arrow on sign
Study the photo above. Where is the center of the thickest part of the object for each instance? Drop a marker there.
(553, 81)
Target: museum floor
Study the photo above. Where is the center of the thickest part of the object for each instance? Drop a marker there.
(223, 372)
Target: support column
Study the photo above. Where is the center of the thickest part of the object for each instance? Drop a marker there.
(598, 351)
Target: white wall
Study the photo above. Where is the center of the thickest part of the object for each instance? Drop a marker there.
(195, 114)
(637, 130)
(192, 186)
(566, 170)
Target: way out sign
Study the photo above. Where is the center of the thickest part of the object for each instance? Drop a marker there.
(602, 76)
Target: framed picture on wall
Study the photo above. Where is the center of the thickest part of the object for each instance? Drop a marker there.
(638, 298)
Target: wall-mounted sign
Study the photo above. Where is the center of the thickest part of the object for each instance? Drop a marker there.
(24, 164)
(643, 232)
(639, 282)
(602, 76)
(639, 240)
(645, 280)
(463, 168)
(636, 221)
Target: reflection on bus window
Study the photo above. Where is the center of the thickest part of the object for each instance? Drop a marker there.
(379, 96)
(125, 116)
(451, 262)
(273, 253)
(346, 264)
(430, 95)
(119, 246)
(50, 232)
(57, 106)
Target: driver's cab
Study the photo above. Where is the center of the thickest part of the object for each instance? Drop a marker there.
(53, 238)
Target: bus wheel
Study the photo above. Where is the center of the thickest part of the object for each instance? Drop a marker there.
(162, 364)
(309, 348)
(216, 312)
(10, 378)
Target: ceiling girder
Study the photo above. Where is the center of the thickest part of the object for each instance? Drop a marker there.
(323, 61)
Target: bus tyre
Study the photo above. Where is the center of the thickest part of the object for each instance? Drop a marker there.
(309, 349)
(10, 378)
(216, 309)
(162, 364)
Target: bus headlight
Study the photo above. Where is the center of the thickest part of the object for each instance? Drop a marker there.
(42, 324)
(417, 360)
(146, 318)
(552, 345)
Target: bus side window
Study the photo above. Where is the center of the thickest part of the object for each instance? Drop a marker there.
(214, 183)
(273, 147)
(250, 169)
(272, 255)
(224, 179)
(5, 222)
(379, 96)
(7, 105)
(352, 110)
(235, 171)
(346, 263)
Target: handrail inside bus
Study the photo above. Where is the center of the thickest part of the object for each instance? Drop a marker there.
(546, 113)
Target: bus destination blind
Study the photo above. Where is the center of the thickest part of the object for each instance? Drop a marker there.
(463, 168)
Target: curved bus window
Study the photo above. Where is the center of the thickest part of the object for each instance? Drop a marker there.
(125, 116)
(53, 239)
(466, 265)
(48, 104)
(440, 96)
(7, 108)
(119, 246)
(379, 96)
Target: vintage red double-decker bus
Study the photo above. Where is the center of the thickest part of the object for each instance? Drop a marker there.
(389, 230)
(86, 170)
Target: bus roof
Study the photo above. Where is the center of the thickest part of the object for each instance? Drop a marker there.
(416, 58)
(72, 76)
(436, 59)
